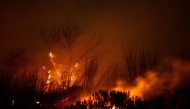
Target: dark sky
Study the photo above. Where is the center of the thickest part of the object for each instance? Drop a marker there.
(161, 23)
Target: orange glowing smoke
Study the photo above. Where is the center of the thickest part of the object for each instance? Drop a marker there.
(156, 82)
(142, 86)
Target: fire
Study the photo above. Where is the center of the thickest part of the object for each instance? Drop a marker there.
(52, 61)
(44, 67)
(72, 69)
(142, 85)
(76, 65)
(72, 73)
(51, 76)
(113, 107)
(51, 55)
(48, 81)
(155, 82)
(71, 78)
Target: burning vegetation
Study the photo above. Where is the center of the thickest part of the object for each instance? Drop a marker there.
(145, 79)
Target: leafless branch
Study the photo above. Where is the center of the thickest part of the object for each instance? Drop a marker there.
(50, 38)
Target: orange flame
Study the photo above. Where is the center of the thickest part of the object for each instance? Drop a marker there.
(50, 76)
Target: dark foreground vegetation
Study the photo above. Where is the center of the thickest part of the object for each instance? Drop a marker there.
(23, 87)
(102, 99)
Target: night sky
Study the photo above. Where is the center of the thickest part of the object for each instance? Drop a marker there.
(164, 24)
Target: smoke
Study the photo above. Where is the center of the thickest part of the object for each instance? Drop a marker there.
(135, 23)
(170, 76)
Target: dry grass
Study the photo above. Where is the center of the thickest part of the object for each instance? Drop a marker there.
(137, 61)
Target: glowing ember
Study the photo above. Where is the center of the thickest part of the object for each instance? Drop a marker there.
(51, 55)
(114, 107)
(44, 67)
(49, 76)
(76, 65)
(71, 77)
(52, 61)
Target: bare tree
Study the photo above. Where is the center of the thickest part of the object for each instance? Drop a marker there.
(68, 36)
(17, 59)
(49, 38)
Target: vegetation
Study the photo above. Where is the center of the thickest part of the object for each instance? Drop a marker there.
(22, 85)
(68, 38)
(138, 60)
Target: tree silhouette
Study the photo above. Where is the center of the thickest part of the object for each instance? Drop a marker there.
(68, 35)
